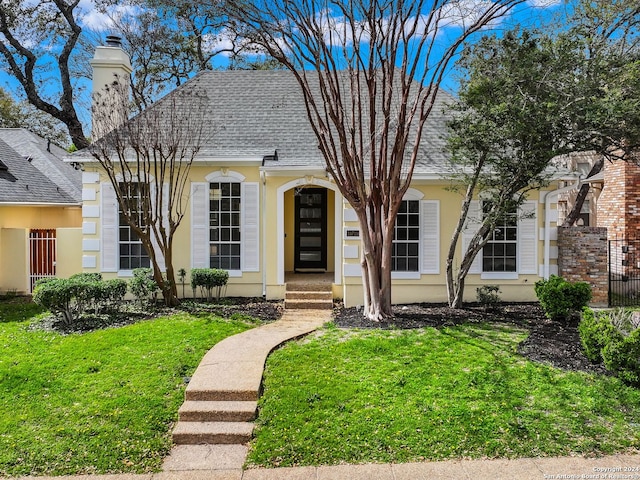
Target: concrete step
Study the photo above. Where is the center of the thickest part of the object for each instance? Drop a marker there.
(221, 395)
(308, 295)
(220, 433)
(220, 411)
(309, 287)
(307, 304)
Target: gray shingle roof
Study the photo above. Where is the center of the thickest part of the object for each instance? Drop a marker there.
(22, 182)
(259, 112)
(255, 113)
(46, 158)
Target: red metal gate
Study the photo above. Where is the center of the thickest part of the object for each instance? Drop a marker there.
(42, 251)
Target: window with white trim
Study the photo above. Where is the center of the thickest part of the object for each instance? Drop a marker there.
(406, 238)
(132, 253)
(500, 254)
(225, 225)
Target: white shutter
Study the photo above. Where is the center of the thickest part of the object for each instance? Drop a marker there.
(527, 238)
(165, 221)
(471, 226)
(430, 225)
(109, 221)
(250, 227)
(199, 225)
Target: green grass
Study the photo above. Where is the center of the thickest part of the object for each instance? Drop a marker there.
(458, 392)
(99, 402)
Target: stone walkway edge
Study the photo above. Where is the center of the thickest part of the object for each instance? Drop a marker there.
(611, 467)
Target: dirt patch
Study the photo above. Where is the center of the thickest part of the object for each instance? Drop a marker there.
(550, 342)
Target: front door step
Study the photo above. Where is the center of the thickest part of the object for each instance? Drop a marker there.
(302, 299)
(222, 433)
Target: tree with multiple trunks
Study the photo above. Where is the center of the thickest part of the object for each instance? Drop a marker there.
(369, 72)
(147, 160)
(527, 98)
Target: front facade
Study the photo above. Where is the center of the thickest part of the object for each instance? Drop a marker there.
(262, 206)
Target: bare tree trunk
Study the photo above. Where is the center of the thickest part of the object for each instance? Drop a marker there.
(573, 216)
(455, 283)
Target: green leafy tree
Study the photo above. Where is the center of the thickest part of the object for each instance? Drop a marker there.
(39, 40)
(525, 99)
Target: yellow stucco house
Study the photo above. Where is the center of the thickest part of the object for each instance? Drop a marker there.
(262, 205)
(40, 211)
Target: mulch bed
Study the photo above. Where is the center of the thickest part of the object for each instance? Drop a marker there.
(555, 343)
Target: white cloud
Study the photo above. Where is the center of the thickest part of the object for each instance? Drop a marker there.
(544, 3)
(92, 18)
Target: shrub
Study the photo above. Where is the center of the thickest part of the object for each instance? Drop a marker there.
(596, 331)
(142, 285)
(60, 296)
(488, 296)
(86, 277)
(622, 357)
(560, 299)
(208, 279)
(112, 293)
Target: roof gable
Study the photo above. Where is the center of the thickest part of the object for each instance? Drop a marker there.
(46, 158)
(21, 182)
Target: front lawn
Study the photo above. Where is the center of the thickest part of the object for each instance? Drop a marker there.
(97, 402)
(356, 396)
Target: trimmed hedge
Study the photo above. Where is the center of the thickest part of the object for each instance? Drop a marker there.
(143, 286)
(73, 296)
(208, 280)
(560, 299)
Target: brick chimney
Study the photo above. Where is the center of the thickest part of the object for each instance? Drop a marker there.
(111, 76)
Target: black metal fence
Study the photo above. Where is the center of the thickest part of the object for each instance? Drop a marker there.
(624, 272)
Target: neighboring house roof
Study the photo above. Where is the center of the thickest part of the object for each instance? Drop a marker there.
(47, 158)
(22, 183)
(253, 113)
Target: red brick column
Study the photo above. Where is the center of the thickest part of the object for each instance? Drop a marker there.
(582, 256)
(619, 202)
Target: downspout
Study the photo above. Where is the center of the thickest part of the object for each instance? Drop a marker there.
(263, 179)
(547, 221)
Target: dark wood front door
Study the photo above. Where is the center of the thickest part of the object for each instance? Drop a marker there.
(311, 229)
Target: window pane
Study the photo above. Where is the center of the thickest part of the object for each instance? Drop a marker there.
(412, 264)
(401, 265)
(225, 225)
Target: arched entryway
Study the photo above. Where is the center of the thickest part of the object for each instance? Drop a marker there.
(309, 240)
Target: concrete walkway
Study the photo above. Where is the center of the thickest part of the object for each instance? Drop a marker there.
(231, 372)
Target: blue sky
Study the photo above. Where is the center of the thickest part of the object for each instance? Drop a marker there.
(531, 13)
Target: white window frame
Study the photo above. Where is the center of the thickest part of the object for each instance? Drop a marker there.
(249, 221)
(407, 242)
(526, 247)
(428, 238)
(121, 242)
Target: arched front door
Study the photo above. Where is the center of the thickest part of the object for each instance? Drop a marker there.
(310, 230)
